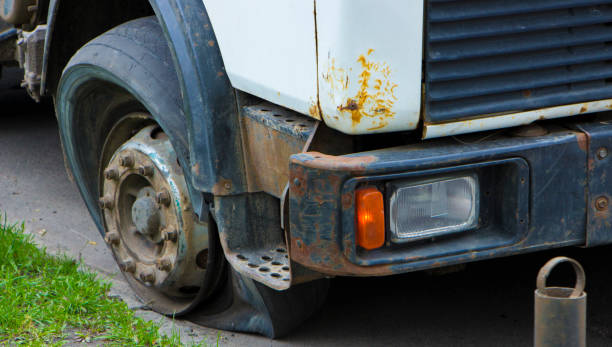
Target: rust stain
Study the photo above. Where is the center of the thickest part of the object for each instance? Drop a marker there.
(196, 169)
(347, 200)
(591, 164)
(375, 94)
(314, 111)
(211, 43)
(527, 93)
(582, 140)
(223, 187)
(380, 125)
(583, 109)
(341, 163)
(336, 77)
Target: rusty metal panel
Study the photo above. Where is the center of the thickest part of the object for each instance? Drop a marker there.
(271, 134)
(555, 184)
(598, 146)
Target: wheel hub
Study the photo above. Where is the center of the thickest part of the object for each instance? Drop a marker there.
(150, 222)
(145, 213)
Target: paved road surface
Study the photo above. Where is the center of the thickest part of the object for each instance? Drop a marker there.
(488, 304)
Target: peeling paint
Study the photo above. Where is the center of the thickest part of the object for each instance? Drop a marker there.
(314, 110)
(375, 95)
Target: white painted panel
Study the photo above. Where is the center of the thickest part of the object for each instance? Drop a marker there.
(370, 63)
(269, 48)
(514, 119)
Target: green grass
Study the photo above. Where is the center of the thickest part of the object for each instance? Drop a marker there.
(47, 300)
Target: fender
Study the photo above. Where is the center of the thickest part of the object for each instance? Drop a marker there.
(216, 157)
(210, 101)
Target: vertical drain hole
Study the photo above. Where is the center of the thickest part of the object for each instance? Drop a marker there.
(202, 259)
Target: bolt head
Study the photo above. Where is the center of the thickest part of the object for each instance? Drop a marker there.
(126, 160)
(111, 174)
(164, 264)
(228, 186)
(105, 203)
(170, 235)
(163, 198)
(112, 238)
(601, 203)
(146, 171)
(127, 265)
(602, 153)
(147, 276)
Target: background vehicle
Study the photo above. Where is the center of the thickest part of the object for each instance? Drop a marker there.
(235, 153)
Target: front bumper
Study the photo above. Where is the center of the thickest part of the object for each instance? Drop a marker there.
(537, 192)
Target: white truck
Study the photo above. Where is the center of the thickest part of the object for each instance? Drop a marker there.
(235, 154)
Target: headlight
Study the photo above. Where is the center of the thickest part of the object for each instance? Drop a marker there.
(428, 208)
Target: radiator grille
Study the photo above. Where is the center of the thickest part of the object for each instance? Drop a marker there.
(487, 57)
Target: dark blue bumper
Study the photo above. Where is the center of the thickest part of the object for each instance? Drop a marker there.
(537, 193)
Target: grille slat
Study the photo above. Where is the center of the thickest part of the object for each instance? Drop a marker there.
(446, 11)
(520, 81)
(444, 71)
(518, 24)
(498, 56)
(540, 40)
(526, 100)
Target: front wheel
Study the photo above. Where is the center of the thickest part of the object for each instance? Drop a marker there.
(124, 133)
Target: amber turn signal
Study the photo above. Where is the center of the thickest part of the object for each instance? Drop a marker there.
(370, 215)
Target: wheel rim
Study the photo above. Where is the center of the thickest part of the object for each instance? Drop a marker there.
(150, 224)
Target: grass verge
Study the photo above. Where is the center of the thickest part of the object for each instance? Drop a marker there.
(47, 300)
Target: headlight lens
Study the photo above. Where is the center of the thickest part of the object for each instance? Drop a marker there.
(425, 209)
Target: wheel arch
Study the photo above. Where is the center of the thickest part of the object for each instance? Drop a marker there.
(208, 97)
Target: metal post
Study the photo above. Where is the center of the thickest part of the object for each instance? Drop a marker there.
(560, 313)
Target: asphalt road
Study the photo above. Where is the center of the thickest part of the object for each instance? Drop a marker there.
(486, 304)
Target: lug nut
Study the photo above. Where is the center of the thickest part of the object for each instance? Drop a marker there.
(112, 238)
(163, 198)
(105, 203)
(126, 160)
(170, 235)
(164, 264)
(127, 265)
(111, 174)
(601, 203)
(146, 171)
(147, 276)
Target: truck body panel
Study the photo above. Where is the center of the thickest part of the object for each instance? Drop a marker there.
(269, 49)
(332, 60)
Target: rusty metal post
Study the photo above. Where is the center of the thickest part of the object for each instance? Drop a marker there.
(560, 313)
